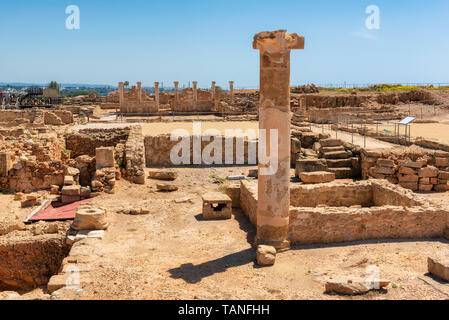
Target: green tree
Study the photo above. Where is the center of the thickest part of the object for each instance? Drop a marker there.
(126, 84)
(54, 85)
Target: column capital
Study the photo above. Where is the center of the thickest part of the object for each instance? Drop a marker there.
(276, 41)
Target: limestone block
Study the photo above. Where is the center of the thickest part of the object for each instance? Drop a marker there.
(90, 218)
(407, 171)
(441, 187)
(443, 175)
(104, 157)
(428, 172)
(69, 199)
(407, 178)
(168, 187)
(266, 255)
(354, 285)
(425, 187)
(71, 190)
(310, 165)
(331, 142)
(68, 180)
(385, 163)
(442, 162)
(5, 163)
(411, 164)
(384, 170)
(439, 266)
(163, 175)
(409, 185)
(317, 177)
(217, 206)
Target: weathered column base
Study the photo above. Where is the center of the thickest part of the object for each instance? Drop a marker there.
(279, 245)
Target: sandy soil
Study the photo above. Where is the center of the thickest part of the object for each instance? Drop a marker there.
(172, 253)
(154, 129)
(437, 131)
(355, 138)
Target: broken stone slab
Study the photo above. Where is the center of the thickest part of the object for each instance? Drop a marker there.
(163, 175)
(266, 255)
(439, 266)
(354, 285)
(90, 218)
(167, 187)
(317, 177)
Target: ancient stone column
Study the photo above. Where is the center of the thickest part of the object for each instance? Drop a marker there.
(139, 93)
(274, 113)
(212, 91)
(156, 94)
(195, 95)
(121, 90)
(231, 91)
(176, 94)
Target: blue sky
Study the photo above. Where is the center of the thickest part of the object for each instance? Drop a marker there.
(199, 40)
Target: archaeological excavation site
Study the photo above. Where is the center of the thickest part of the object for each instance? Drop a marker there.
(210, 190)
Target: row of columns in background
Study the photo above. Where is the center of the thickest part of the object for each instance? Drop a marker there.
(176, 83)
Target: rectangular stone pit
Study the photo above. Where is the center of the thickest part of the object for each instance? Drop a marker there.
(342, 212)
(217, 206)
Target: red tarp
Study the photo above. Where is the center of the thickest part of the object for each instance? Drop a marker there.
(65, 212)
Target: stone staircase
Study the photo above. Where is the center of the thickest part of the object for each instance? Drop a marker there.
(333, 157)
(339, 161)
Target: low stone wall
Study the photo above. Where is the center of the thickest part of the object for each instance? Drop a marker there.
(413, 168)
(332, 194)
(373, 209)
(29, 263)
(158, 149)
(44, 116)
(85, 142)
(337, 224)
(248, 200)
(135, 156)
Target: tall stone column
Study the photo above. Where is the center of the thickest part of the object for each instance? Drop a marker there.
(274, 113)
(195, 95)
(156, 94)
(212, 91)
(176, 94)
(121, 90)
(231, 91)
(139, 93)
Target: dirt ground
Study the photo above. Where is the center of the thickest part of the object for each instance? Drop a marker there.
(436, 131)
(155, 129)
(172, 253)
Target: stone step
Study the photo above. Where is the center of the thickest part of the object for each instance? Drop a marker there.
(342, 173)
(339, 163)
(332, 149)
(331, 142)
(335, 155)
